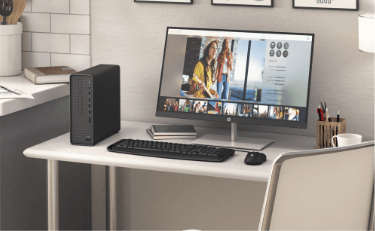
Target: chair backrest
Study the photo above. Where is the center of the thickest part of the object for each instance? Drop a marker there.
(326, 189)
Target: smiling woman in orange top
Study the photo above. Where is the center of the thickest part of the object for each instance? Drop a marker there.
(204, 71)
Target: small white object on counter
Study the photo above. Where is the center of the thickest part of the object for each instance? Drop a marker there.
(13, 93)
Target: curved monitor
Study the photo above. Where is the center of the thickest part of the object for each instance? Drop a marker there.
(236, 76)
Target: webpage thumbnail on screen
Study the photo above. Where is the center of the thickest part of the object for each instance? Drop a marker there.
(245, 74)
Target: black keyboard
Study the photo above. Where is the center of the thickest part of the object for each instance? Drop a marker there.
(171, 150)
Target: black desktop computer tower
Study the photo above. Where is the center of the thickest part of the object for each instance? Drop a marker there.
(94, 104)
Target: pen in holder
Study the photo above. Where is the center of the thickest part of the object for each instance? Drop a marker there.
(326, 129)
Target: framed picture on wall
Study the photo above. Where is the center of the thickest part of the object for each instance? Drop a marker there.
(167, 1)
(327, 4)
(265, 3)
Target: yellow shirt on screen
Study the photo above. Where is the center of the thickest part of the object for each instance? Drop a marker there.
(199, 71)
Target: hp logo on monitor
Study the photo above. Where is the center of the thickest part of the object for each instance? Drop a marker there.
(229, 119)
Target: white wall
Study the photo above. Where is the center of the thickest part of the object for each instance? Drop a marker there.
(133, 34)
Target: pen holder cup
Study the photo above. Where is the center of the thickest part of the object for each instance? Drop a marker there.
(326, 129)
(10, 50)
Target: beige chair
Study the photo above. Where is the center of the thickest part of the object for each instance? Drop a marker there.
(327, 189)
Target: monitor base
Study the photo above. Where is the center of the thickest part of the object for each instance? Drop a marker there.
(241, 143)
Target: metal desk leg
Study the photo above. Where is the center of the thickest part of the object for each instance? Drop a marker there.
(53, 194)
(112, 198)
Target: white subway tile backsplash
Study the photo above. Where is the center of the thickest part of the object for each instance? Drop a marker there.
(77, 62)
(51, 6)
(80, 6)
(35, 59)
(57, 43)
(28, 6)
(80, 44)
(56, 32)
(70, 24)
(36, 22)
(26, 41)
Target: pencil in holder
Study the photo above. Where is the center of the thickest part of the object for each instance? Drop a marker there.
(326, 130)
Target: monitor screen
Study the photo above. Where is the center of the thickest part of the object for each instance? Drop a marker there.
(236, 76)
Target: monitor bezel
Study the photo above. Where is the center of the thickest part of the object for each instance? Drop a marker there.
(234, 119)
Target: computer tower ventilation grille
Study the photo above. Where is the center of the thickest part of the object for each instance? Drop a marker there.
(81, 110)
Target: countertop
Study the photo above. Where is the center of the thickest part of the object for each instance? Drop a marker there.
(41, 93)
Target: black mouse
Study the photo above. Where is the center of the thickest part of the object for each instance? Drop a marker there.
(255, 158)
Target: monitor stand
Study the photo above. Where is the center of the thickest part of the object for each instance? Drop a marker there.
(235, 142)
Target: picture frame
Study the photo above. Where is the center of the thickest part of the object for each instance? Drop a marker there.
(257, 3)
(166, 1)
(327, 4)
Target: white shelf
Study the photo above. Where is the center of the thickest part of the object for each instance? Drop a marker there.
(41, 93)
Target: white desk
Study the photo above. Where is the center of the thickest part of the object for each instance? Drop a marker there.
(234, 168)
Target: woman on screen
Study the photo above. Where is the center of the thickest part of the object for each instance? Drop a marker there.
(186, 106)
(217, 108)
(197, 107)
(224, 66)
(204, 71)
(166, 105)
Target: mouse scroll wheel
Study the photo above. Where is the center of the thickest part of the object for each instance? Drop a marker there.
(252, 155)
